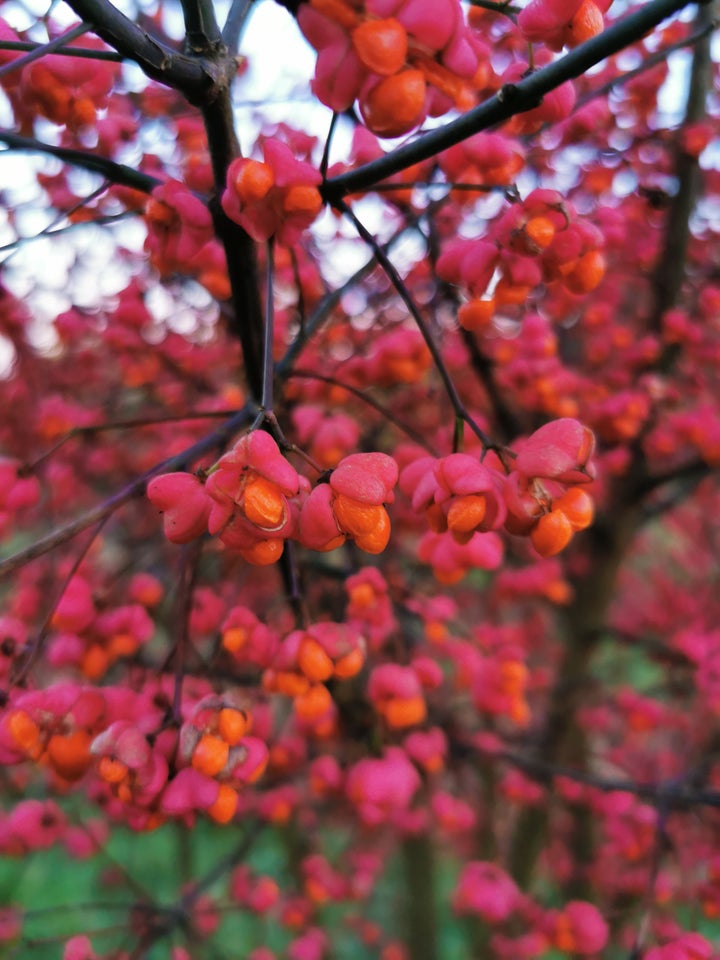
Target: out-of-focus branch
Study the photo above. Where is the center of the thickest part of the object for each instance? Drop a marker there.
(670, 270)
(42, 49)
(115, 172)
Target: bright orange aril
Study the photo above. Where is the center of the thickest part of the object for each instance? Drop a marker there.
(356, 518)
(315, 891)
(520, 711)
(263, 503)
(25, 732)
(376, 541)
(362, 595)
(210, 755)
(112, 770)
(264, 552)
(290, 684)
(564, 937)
(302, 199)
(587, 273)
(435, 73)
(234, 639)
(314, 703)
(253, 181)
(540, 230)
(381, 45)
(396, 104)
(232, 725)
(404, 713)
(224, 806)
(578, 507)
(95, 662)
(349, 665)
(476, 315)
(551, 534)
(509, 294)
(313, 661)
(514, 676)
(122, 645)
(436, 632)
(69, 754)
(159, 213)
(466, 513)
(586, 24)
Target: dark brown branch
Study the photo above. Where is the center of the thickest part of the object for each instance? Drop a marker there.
(115, 172)
(679, 793)
(195, 78)
(670, 271)
(461, 412)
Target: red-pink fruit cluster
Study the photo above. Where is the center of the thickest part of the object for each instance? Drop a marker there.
(351, 505)
(277, 197)
(253, 499)
(538, 240)
(562, 23)
(466, 501)
(401, 59)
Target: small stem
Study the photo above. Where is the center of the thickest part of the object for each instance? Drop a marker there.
(189, 558)
(18, 678)
(268, 371)
(398, 283)
(370, 401)
(42, 49)
(293, 590)
(115, 172)
(328, 142)
(133, 489)
(90, 430)
(458, 435)
(83, 53)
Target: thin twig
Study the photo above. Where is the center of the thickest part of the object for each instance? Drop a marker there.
(126, 493)
(115, 172)
(370, 401)
(44, 48)
(397, 281)
(18, 677)
(269, 330)
(84, 53)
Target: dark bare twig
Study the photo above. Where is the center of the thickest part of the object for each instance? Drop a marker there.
(108, 169)
(83, 53)
(370, 401)
(133, 489)
(397, 281)
(36, 647)
(43, 49)
(189, 560)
